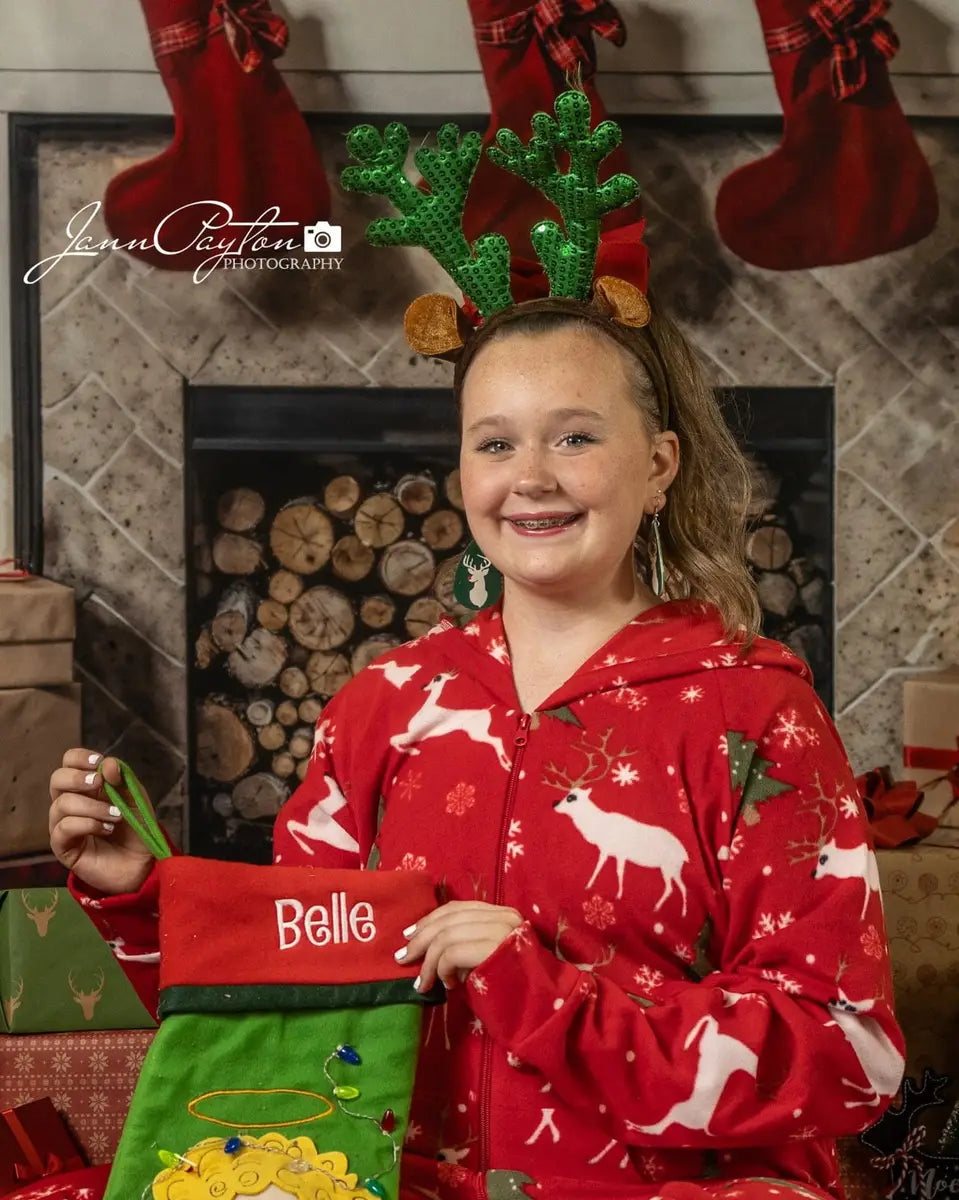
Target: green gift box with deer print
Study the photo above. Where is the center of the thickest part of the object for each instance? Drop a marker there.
(57, 975)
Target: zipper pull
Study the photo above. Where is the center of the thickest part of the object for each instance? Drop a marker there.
(520, 739)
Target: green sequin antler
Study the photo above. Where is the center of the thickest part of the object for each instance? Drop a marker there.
(432, 219)
(569, 259)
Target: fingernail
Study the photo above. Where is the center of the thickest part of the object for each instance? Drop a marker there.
(401, 954)
(416, 983)
(107, 827)
(94, 759)
(114, 811)
(409, 931)
(91, 778)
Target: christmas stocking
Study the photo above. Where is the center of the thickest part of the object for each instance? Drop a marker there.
(526, 51)
(240, 145)
(848, 180)
(288, 1034)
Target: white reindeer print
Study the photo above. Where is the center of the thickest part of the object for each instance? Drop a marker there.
(832, 861)
(616, 835)
(720, 1057)
(116, 944)
(433, 720)
(881, 1062)
(395, 674)
(320, 825)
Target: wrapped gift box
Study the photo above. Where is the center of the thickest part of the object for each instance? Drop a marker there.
(89, 1076)
(38, 725)
(34, 1144)
(56, 972)
(930, 736)
(37, 628)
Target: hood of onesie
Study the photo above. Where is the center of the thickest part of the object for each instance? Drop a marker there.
(675, 639)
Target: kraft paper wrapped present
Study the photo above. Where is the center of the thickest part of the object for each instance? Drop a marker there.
(37, 628)
(35, 1144)
(89, 1076)
(930, 735)
(56, 972)
(38, 725)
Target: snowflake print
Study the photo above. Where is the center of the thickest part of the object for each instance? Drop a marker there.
(612, 661)
(770, 923)
(514, 847)
(849, 806)
(683, 952)
(98, 1060)
(792, 732)
(692, 694)
(724, 745)
(23, 1063)
(512, 1060)
(782, 981)
(478, 983)
(134, 1061)
(735, 845)
(476, 1027)
(648, 978)
(650, 1166)
(471, 630)
(497, 649)
(520, 937)
(599, 912)
(412, 782)
(323, 737)
(412, 862)
(98, 1102)
(98, 1143)
(413, 1131)
(807, 1131)
(708, 664)
(461, 798)
(729, 659)
(624, 774)
(872, 943)
(61, 1061)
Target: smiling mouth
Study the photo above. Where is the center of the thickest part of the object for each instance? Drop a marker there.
(536, 523)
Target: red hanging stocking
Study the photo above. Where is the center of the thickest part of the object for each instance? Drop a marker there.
(849, 180)
(526, 51)
(239, 138)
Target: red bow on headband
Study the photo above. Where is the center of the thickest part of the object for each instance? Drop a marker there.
(253, 31)
(558, 24)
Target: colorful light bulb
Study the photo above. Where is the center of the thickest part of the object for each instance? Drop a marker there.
(373, 1187)
(345, 1091)
(232, 1145)
(348, 1055)
(168, 1158)
(388, 1121)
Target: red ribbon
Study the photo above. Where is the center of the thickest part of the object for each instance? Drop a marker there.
(11, 569)
(904, 1158)
(893, 810)
(855, 28)
(931, 758)
(35, 1167)
(559, 26)
(253, 30)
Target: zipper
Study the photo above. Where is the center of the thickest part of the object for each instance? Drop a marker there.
(486, 1071)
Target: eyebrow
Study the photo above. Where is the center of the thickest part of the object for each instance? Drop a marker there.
(558, 414)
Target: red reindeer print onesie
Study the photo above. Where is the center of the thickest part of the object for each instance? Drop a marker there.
(699, 999)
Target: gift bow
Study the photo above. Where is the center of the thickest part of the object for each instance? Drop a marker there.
(30, 1174)
(34, 1168)
(902, 1157)
(854, 27)
(548, 19)
(893, 809)
(253, 31)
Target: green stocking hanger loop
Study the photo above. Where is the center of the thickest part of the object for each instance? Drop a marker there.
(142, 821)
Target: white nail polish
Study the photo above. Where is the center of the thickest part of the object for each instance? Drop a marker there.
(91, 778)
(107, 827)
(115, 812)
(400, 954)
(409, 931)
(94, 759)
(416, 983)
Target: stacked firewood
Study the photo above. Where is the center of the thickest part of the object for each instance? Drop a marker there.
(298, 600)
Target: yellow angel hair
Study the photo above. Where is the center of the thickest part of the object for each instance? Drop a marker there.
(271, 1167)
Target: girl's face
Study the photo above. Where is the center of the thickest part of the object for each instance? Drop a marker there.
(557, 468)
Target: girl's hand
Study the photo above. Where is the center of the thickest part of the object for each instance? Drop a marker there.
(87, 834)
(455, 938)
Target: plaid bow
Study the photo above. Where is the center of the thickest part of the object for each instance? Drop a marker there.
(903, 1157)
(854, 27)
(252, 29)
(559, 25)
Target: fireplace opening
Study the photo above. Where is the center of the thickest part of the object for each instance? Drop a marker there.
(324, 527)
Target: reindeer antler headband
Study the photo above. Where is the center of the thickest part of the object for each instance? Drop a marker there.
(434, 324)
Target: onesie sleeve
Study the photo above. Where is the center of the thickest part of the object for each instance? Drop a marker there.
(792, 1035)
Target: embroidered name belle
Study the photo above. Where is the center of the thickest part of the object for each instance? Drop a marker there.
(324, 926)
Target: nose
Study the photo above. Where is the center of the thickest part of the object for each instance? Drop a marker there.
(534, 475)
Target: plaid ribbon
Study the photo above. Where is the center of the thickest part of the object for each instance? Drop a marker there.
(904, 1158)
(252, 29)
(563, 26)
(853, 27)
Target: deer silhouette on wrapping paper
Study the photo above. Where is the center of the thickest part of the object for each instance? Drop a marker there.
(615, 835)
(41, 917)
(12, 1003)
(433, 720)
(88, 1000)
(832, 861)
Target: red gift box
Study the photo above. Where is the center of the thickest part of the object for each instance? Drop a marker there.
(34, 1144)
(89, 1076)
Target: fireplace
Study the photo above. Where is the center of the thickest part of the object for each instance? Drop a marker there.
(324, 527)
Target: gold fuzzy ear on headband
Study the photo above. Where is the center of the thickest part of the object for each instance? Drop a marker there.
(436, 326)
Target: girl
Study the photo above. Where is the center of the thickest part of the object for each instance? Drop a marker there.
(657, 915)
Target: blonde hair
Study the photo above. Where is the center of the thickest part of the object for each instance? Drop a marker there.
(703, 526)
(295, 1166)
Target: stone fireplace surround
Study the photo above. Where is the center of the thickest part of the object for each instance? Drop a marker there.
(118, 340)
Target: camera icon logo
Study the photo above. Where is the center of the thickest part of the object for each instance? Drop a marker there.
(323, 236)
